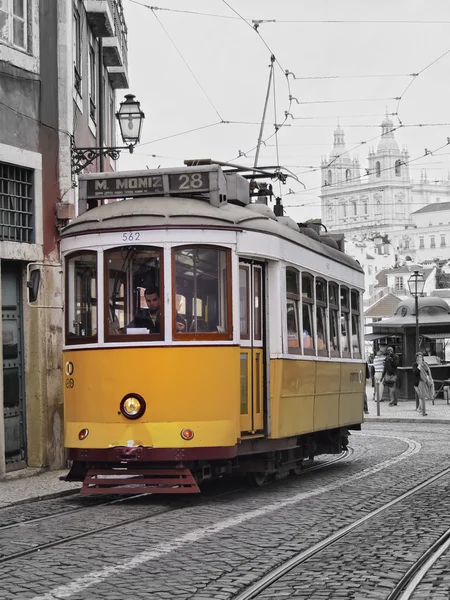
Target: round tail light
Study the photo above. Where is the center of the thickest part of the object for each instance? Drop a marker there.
(187, 434)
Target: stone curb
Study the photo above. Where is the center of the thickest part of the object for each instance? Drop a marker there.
(382, 419)
(49, 496)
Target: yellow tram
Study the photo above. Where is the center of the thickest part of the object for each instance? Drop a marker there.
(203, 335)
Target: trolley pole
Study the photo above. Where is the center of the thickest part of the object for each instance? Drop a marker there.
(258, 145)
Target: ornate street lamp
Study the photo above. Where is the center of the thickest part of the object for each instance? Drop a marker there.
(130, 117)
(416, 283)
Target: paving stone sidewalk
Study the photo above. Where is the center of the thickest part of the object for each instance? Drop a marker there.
(34, 484)
(406, 411)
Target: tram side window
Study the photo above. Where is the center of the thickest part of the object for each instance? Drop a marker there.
(321, 317)
(333, 296)
(307, 313)
(292, 304)
(81, 293)
(133, 292)
(356, 325)
(244, 301)
(345, 321)
(202, 278)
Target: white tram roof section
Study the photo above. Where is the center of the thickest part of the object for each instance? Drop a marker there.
(158, 211)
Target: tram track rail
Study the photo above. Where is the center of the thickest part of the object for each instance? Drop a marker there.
(189, 503)
(99, 504)
(411, 578)
(410, 582)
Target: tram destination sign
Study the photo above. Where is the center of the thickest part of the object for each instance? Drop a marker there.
(208, 180)
(122, 187)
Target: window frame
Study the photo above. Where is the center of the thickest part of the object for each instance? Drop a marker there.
(77, 51)
(355, 311)
(294, 299)
(13, 17)
(92, 83)
(346, 310)
(323, 306)
(206, 335)
(311, 303)
(245, 268)
(79, 340)
(334, 308)
(125, 337)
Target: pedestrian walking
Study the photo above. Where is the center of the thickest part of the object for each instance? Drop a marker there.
(371, 369)
(423, 382)
(378, 367)
(389, 377)
(366, 406)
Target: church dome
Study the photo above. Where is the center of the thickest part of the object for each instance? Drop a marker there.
(387, 141)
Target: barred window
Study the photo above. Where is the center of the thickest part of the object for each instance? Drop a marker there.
(16, 204)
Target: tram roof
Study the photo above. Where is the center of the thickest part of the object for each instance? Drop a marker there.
(163, 212)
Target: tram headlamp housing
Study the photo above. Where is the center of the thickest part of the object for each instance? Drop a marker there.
(132, 406)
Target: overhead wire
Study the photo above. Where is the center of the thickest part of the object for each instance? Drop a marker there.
(293, 21)
(368, 172)
(21, 114)
(255, 28)
(414, 77)
(168, 137)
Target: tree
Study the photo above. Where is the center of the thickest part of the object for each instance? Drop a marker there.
(442, 279)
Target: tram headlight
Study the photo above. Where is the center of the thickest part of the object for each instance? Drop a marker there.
(132, 406)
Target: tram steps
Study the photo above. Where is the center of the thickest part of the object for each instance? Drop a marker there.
(145, 481)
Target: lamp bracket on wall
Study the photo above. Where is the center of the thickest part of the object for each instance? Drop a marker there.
(82, 157)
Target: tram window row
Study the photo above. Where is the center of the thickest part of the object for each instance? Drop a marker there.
(133, 284)
(322, 317)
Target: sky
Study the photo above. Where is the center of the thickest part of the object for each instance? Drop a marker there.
(200, 70)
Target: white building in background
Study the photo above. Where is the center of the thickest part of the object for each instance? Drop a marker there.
(382, 200)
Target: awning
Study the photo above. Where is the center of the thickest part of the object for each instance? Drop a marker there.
(368, 337)
(437, 336)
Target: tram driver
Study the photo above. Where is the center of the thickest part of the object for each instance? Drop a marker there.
(150, 317)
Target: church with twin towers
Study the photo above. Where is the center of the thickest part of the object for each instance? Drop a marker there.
(381, 199)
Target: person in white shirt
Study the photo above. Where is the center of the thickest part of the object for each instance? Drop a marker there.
(378, 365)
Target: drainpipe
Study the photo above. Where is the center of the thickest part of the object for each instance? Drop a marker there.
(100, 124)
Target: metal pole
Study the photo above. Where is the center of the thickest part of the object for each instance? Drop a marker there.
(377, 395)
(416, 297)
(258, 145)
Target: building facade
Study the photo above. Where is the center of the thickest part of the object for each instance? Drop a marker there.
(383, 199)
(60, 66)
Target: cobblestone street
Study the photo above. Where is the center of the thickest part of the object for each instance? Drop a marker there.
(213, 548)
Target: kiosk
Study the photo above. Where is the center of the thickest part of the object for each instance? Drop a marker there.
(398, 331)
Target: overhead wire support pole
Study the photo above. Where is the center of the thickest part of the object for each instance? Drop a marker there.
(258, 146)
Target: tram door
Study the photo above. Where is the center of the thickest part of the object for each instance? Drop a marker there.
(252, 348)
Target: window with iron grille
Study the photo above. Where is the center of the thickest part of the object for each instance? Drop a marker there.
(16, 204)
